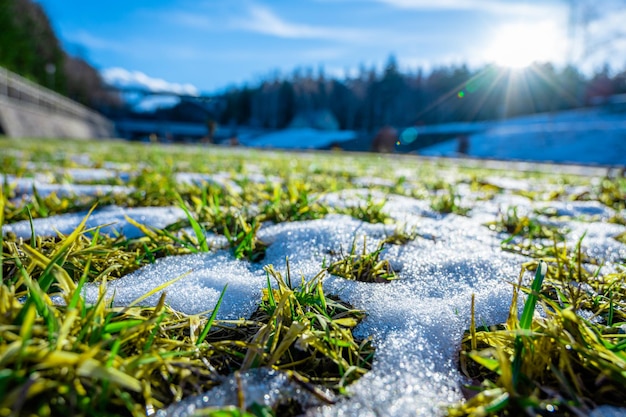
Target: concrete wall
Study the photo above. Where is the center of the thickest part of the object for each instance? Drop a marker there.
(29, 110)
(20, 120)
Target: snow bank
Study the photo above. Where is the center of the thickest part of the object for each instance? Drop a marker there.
(302, 138)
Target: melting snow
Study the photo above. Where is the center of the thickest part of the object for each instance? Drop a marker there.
(44, 186)
(416, 322)
(221, 180)
(112, 220)
(202, 278)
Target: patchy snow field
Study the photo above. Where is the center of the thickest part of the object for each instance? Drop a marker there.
(416, 322)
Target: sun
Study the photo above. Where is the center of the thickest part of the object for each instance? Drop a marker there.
(517, 45)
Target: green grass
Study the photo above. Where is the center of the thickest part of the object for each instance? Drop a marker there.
(447, 201)
(96, 359)
(362, 265)
(559, 362)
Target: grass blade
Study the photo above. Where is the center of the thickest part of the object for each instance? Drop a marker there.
(473, 324)
(32, 226)
(209, 323)
(26, 332)
(92, 368)
(526, 321)
(531, 301)
(46, 276)
(62, 277)
(270, 293)
(197, 228)
(144, 229)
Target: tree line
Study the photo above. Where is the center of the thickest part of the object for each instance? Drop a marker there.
(374, 99)
(365, 102)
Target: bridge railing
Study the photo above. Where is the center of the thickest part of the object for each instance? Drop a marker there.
(25, 91)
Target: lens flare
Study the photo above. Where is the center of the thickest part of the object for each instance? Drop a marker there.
(408, 136)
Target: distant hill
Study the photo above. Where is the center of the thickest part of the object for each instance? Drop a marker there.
(29, 47)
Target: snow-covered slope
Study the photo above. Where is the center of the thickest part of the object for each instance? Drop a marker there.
(591, 136)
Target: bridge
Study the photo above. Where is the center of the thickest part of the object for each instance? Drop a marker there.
(188, 119)
(138, 129)
(30, 110)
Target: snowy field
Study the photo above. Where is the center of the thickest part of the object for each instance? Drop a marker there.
(593, 136)
(417, 321)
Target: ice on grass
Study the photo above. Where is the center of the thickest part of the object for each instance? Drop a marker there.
(581, 210)
(308, 244)
(416, 322)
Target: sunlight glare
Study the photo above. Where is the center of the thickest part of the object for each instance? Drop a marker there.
(518, 45)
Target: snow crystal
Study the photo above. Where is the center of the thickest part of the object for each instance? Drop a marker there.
(308, 244)
(259, 386)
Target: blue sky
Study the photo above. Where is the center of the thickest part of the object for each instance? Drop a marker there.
(207, 45)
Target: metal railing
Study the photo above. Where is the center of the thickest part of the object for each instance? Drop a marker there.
(20, 89)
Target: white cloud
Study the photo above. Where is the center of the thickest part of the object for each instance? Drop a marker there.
(120, 77)
(258, 19)
(263, 20)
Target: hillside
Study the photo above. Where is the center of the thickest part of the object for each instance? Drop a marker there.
(30, 47)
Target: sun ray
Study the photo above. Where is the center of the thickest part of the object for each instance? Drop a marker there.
(454, 92)
(517, 89)
(562, 92)
(485, 97)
